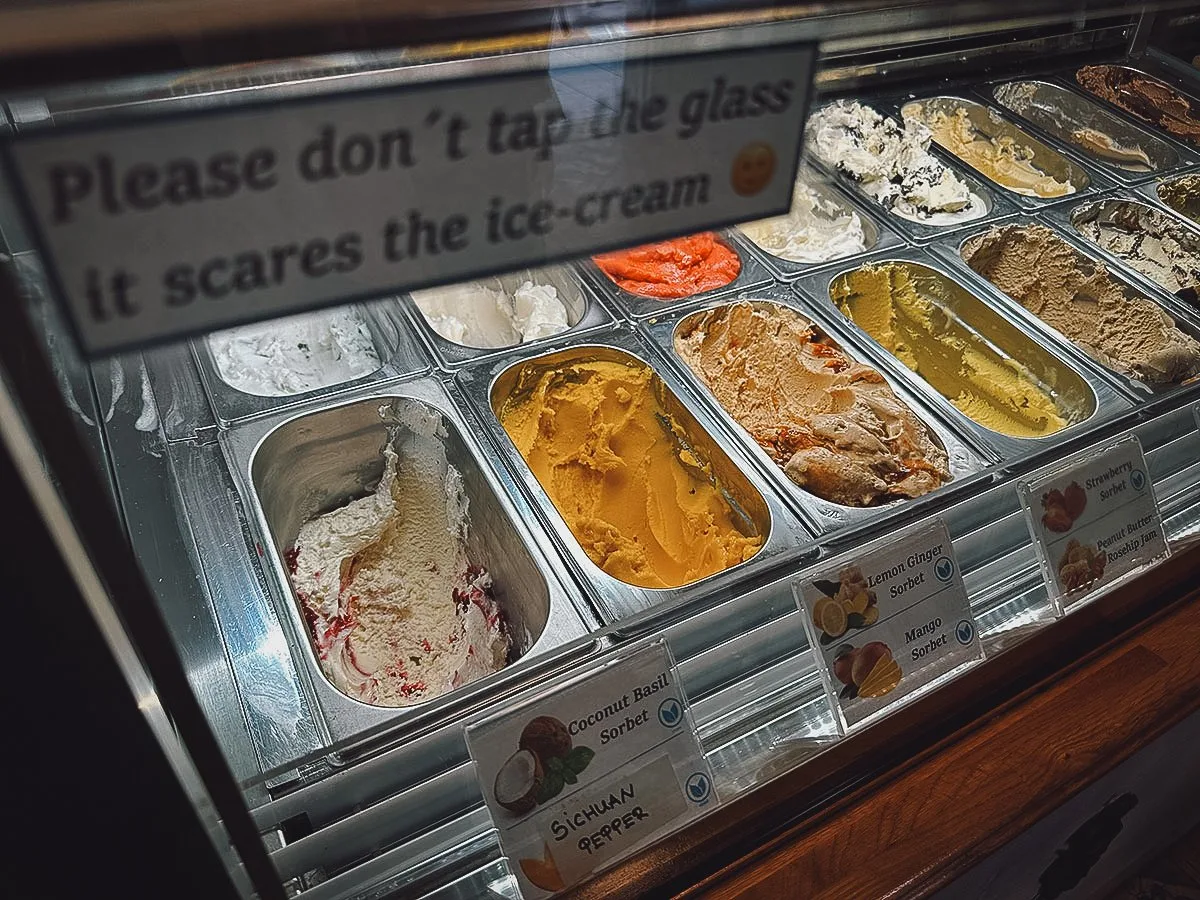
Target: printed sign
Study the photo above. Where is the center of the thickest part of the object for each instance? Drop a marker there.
(888, 620)
(163, 227)
(1094, 520)
(592, 771)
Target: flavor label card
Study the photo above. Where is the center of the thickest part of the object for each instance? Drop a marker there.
(1093, 521)
(888, 620)
(592, 770)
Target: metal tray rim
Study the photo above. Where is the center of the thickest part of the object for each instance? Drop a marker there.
(1005, 447)
(965, 461)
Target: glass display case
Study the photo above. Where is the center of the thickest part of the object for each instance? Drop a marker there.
(331, 533)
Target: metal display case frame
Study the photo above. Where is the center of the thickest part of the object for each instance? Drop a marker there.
(296, 800)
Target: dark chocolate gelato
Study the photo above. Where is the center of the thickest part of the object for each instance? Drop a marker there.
(1144, 96)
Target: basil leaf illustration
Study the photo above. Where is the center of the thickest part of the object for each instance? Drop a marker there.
(577, 760)
(552, 786)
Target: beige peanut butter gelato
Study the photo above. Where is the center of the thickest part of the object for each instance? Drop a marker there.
(832, 424)
(1002, 158)
(1122, 330)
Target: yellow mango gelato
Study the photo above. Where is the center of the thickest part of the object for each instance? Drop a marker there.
(894, 305)
(644, 506)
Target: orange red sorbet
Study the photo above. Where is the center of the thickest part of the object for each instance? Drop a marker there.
(670, 270)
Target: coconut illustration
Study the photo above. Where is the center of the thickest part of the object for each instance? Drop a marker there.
(518, 782)
(546, 737)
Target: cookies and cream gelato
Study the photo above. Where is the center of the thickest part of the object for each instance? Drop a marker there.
(1147, 239)
(892, 164)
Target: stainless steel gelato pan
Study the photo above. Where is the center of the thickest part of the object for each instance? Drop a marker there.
(1162, 100)
(1032, 173)
(297, 466)
(1053, 278)
(266, 367)
(1010, 392)
(824, 226)
(1155, 245)
(1127, 152)
(961, 462)
(653, 441)
(751, 273)
(584, 312)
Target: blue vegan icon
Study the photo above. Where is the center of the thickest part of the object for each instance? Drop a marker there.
(699, 787)
(1137, 478)
(944, 569)
(670, 712)
(965, 632)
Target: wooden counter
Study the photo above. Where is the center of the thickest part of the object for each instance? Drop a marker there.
(1004, 746)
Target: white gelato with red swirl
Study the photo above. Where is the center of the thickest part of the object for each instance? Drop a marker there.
(398, 612)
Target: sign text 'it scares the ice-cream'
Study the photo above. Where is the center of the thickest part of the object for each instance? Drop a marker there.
(175, 225)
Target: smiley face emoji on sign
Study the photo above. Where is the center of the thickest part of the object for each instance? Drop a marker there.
(752, 169)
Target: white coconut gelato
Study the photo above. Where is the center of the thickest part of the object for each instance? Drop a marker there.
(495, 312)
(294, 355)
(815, 230)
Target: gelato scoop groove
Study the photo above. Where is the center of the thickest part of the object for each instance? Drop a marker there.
(1076, 120)
(1147, 239)
(294, 355)
(397, 611)
(892, 163)
(1182, 194)
(1144, 97)
(674, 269)
(833, 424)
(992, 146)
(816, 229)
(899, 305)
(636, 493)
(495, 312)
(1128, 333)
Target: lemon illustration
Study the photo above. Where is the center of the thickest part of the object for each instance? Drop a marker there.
(858, 603)
(832, 620)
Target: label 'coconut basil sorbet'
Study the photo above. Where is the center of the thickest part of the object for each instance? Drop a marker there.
(591, 771)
